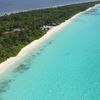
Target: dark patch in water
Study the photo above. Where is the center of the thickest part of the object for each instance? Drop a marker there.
(34, 56)
(47, 44)
(50, 42)
(21, 68)
(4, 85)
(41, 49)
(67, 53)
(38, 53)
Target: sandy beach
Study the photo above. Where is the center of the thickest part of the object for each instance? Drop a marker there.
(13, 60)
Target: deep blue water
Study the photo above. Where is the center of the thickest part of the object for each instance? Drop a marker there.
(7, 6)
(65, 67)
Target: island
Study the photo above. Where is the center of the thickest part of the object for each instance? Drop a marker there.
(19, 29)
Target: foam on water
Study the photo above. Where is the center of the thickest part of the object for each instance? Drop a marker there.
(66, 67)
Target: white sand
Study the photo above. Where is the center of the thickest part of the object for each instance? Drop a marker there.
(13, 60)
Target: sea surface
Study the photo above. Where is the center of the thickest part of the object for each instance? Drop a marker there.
(9, 6)
(65, 67)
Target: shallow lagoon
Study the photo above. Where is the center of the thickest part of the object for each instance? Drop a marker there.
(66, 67)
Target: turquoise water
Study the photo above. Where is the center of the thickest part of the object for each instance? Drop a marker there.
(66, 67)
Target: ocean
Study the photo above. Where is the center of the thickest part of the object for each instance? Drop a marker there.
(65, 67)
(9, 6)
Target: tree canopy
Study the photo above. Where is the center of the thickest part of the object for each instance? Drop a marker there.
(17, 30)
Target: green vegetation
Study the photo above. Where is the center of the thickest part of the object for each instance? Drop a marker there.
(18, 30)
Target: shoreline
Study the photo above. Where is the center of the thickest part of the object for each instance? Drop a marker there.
(6, 65)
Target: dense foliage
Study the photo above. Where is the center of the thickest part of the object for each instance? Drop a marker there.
(17, 30)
